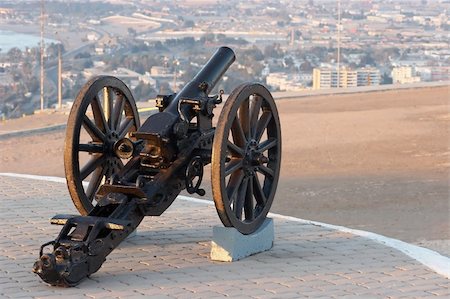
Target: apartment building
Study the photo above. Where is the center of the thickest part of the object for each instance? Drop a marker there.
(324, 78)
(440, 73)
(404, 75)
(283, 82)
(368, 76)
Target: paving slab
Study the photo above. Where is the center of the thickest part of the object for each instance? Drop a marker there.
(169, 257)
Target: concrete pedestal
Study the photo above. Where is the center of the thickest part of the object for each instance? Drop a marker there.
(230, 245)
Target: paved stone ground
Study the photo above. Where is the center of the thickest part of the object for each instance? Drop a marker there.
(169, 257)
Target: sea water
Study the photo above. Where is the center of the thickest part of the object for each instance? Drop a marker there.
(10, 39)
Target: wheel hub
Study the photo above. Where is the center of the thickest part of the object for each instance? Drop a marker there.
(253, 158)
(111, 143)
(124, 148)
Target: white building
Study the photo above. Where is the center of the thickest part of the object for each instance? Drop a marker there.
(92, 36)
(440, 73)
(160, 71)
(368, 76)
(404, 75)
(324, 78)
(283, 82)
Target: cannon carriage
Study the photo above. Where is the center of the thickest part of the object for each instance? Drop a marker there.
(119, 171)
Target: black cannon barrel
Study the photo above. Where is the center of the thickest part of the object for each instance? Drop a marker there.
(197, 89)
(211, 73)
(216, 66)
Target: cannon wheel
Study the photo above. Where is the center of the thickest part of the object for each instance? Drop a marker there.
(246, 158)
(103, 113)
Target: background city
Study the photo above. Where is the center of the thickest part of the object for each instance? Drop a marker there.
(156, 46)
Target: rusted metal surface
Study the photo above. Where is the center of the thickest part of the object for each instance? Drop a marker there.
(135, 171)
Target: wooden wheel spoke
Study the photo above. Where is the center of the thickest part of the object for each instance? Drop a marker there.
(240, 199)
(125, 127)
(94, 182)
(99, 116)
(93, 130)
(233, 184)
(232, 166)
(244, 117)
(118, 166)
(258, 191)
(117, 112)
(266, 171)
(248, 205)
(235, 150)
(267, 145)
(256, 107)
(120, 162)
(91, 165)
(108, 101)
(91, 148)
(238, 133)
(262, 124)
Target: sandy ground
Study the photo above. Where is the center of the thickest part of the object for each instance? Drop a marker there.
(377, 161)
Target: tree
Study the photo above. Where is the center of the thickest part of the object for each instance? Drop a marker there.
(188, 73)
(288, 61)
(53, 49)
(273, 51)
(164, 88)
(281, 24)
(221, 37)
(306, 67)
(32, 84)
(383, 56)
(88, 63)
(386, 79)
(27, 69)
(131, 31)
(367, 59)
(159, 46)
(144, 91)
(207, 38)
(188, 24)
(82, 55)
(14, 54)
(188, 41)
(253, 53)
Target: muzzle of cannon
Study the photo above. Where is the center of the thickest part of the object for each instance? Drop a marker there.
(118, 171)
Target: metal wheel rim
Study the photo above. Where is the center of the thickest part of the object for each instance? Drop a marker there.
(247, 214)
(118, 120)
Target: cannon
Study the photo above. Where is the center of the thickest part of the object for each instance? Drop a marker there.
(119, 171)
